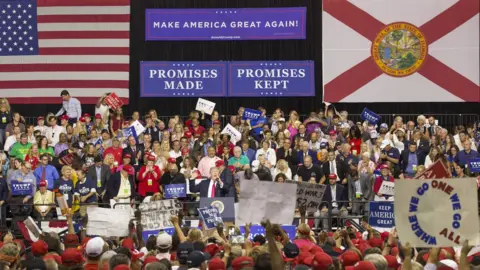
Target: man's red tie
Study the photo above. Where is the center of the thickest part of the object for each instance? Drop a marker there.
(213, 189)
(44, 172)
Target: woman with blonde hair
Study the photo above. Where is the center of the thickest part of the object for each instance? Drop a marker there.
(281, 167)
(178, 132)
(109, 160)
(33, 156)
(65, 185)
(80, 127)
(6, 117)
(293, 123)
(366, 166)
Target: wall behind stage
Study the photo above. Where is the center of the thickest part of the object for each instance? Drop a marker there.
(309, 49)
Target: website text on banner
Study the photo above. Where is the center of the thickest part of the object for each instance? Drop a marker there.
(437, 212)
(183, 79)
(226, 24)
(271, 78)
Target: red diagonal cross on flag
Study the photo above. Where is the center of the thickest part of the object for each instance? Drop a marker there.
(432, 69)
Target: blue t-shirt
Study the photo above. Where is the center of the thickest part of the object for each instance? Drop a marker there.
(83, 189)
(66, 189)
(257, 121)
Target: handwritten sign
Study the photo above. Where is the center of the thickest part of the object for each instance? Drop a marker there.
(21, 188)
(251, 114)
(113, 101)
(210, 216)
(235, 135)
(387, 188)
(100, 222)
(309, 195)
(381, 215)
(205, 106)
(437, 212)
(175, 191)
(156, 215)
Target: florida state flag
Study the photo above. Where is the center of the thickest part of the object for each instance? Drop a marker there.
(401, 51)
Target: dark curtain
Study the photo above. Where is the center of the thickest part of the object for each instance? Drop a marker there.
(309, 49)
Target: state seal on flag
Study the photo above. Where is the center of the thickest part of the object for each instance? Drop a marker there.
(399, 49)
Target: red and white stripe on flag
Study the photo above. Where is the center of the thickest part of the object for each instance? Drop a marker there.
(401, 51)
(83, 47)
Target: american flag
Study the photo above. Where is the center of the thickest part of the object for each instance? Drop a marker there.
(50, 45)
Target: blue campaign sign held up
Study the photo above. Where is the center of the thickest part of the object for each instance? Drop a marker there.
(21, 188)
(370, 116)
(271, 79)
(175, 191)
(381, 215)
(251, 114)
(210, 216)
(183, 79)
(474, 165)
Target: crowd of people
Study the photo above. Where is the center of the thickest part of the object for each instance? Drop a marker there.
(91, 159)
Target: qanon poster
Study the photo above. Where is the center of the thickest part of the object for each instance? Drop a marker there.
(183, 79)
(222, 79)
(226, 24)
(271, 78)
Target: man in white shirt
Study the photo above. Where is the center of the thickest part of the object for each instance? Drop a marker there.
(53, 132)
(70, 106)
(41, 125)
(12, 139)
(175, 152)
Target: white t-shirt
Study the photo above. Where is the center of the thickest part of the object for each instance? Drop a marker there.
(103, 110)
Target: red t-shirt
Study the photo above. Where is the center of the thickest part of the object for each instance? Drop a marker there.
(355, 144)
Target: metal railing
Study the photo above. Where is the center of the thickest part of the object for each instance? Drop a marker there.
(448, 121)
(339, 220)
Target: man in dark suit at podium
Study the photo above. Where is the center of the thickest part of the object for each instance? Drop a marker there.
(212, 187)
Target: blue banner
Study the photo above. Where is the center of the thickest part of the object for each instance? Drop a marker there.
(226, 24)
(127, 132)
(370, 116)
(251, 114)
(474, 165)
(183, 79)
(21, 188)
(175, 191)
(272, 78)
(291, 230)
(210, 216)
(381, 215)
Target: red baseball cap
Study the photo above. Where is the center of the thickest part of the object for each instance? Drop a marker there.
(391, 261)
(332, 176)
(86, 115)
(82, 119)
(362, 265)
(64, 117)
(216, 264)
(98, 116)
(42, 183)
(320, 261)
(40, 118)
(128, 243)
(127, 156)
(349, 258)
(71, 239)
(39, 248)
(151, 158)
(172, 160)
(332, 133)
(150, 259)
(219, 163)
(376, 242)
(241, 262)
(72, 256)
